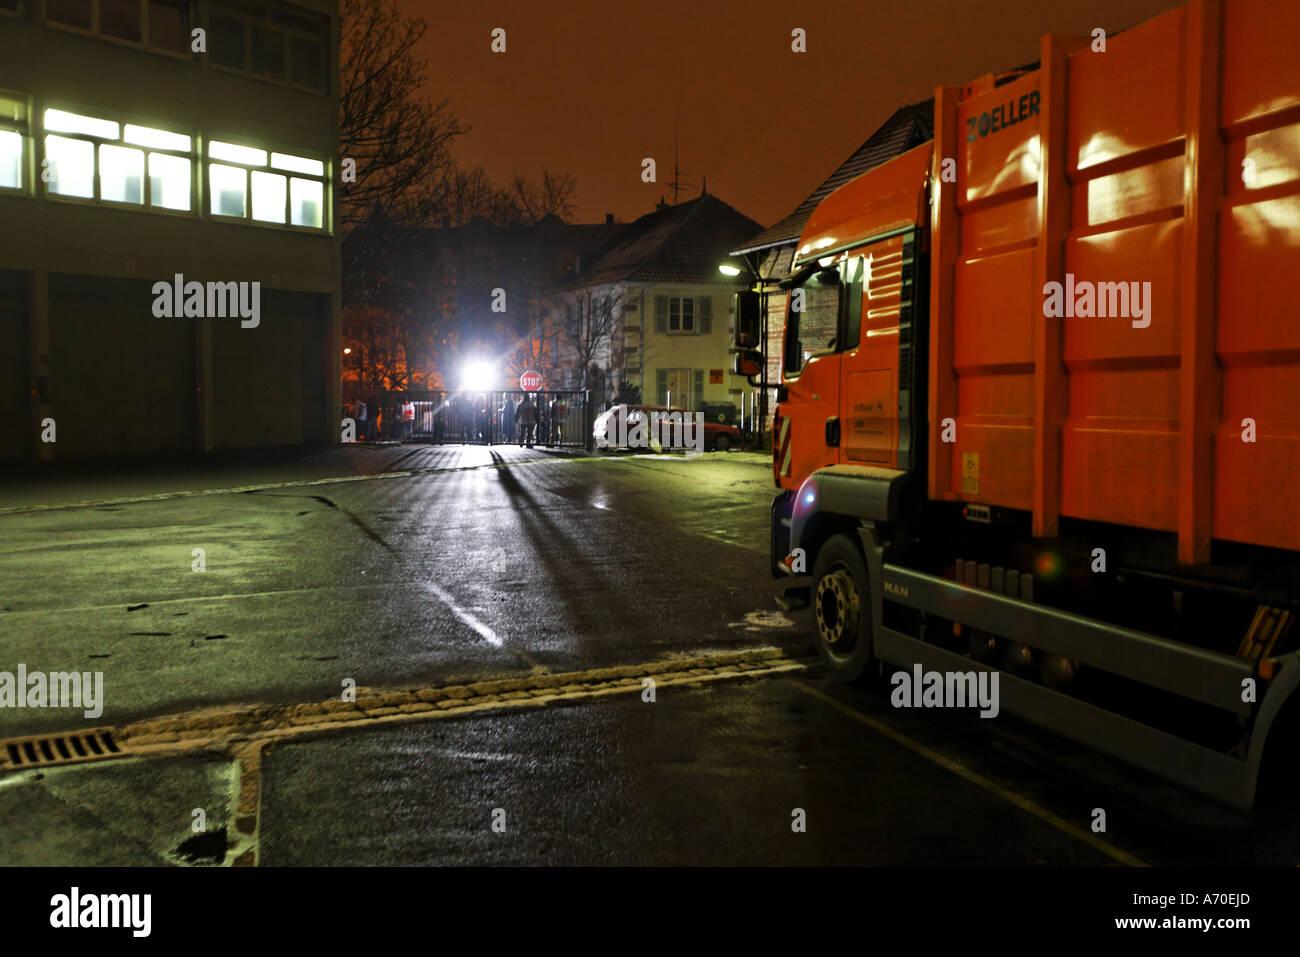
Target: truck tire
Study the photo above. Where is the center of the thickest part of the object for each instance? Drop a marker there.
(841, 602)
(721, 443)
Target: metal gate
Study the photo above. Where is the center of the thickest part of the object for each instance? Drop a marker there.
(563, 418)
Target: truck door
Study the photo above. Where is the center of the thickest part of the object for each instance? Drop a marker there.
(808, 436)
(879, 287)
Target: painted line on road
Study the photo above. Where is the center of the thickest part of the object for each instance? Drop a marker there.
(1025, 804)
(480, 627)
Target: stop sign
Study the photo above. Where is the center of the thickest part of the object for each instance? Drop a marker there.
(530, 381)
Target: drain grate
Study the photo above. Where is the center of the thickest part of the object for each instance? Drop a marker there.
(46, 750)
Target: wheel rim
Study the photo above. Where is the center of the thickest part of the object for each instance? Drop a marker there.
(838, 610)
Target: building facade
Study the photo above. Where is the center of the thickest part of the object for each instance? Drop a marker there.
(656, 310)
(169, 270)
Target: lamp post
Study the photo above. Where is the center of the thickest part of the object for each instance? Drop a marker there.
(729, 269)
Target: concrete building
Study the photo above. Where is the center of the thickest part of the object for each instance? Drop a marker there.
(146, 140)
(657, 294)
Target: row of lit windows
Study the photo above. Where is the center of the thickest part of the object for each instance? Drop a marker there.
(91, 158)
(263, 38)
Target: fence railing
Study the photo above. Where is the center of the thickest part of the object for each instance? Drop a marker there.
(559, 419)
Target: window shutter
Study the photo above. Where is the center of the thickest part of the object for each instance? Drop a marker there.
(699, 388)
(704, 306)
(661, 315)
(661, 385)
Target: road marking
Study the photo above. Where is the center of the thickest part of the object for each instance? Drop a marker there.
(974, 777)
(485, 632)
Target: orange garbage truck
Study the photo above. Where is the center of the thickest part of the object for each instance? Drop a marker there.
(1039, 405)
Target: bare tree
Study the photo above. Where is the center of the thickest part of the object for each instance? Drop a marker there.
(399, 140)
(467, 194)
(528, 202)
(585, 322)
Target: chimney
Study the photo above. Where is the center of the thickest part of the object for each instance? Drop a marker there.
(609, 219)
(662, 205)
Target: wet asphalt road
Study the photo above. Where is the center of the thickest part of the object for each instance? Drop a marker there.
(557, 562)
(511, 563)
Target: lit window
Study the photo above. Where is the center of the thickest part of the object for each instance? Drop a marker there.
(71, 166)
(237, 154)
(297, 164)
(262, 196)
(229, 186)
(156, 139)
(11, 160)
(268, 197)
(121, 174)
(97, 163)
(13, 141)
(61, 121)
(169, 181)
(308, 197)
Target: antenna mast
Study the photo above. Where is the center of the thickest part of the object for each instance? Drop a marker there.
(677, 183)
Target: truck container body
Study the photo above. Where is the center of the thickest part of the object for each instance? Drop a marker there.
(1042, 377)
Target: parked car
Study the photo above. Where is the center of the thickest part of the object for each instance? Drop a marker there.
(609, 436)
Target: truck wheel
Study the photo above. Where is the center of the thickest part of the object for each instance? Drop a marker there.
(842, 605)
(721, 443)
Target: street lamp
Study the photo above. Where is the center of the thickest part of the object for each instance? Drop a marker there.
(478, 376)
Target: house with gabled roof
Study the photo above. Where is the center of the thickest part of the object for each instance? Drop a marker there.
(651, 315)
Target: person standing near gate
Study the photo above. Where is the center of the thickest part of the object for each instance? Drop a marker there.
(507, 419)
(408, 418)
(362, 424)
(526, 416)
(559, 409)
